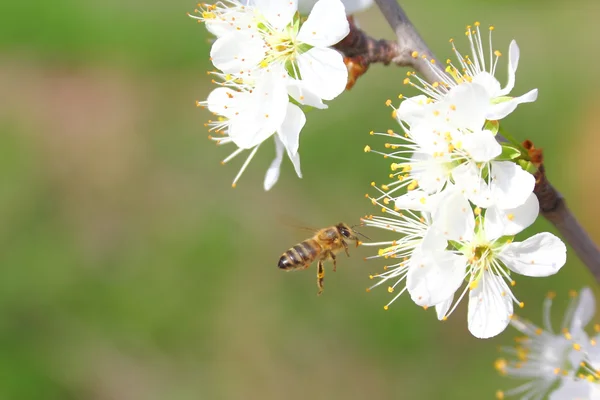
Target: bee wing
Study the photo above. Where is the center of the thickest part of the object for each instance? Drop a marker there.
(296, 224)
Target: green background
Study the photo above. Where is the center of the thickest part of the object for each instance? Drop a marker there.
(132, 270)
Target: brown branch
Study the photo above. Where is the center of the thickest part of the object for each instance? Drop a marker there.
(410, 50)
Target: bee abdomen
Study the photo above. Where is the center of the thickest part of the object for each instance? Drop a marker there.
(300, 255)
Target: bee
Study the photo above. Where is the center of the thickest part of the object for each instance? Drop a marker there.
(322, 247)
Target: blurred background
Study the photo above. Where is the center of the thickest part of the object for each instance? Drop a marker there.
(132, 270)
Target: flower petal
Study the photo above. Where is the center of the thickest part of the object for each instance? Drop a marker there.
(540, 255)
(489, 311)
(434, 276)
(237, 51)
(468, 179)
(585, 310)
(500, 222)
(482, 146)
(454, 216)
(513, 63)
(272, 174)
(326, 25)
(220, 101)
(277, 12)
(510, 184)
(466, 106)
(304, 96)
(571, 389)
(323, 72)
(442, 308)
(289, 132)
(352, 6)
(500, 110)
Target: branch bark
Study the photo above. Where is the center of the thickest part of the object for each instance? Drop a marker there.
(552, 204)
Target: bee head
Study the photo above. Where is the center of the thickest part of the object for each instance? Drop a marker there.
(346, 231)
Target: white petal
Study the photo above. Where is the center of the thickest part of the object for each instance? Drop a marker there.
(540, 255)
(304, 96)
(573, 390)
(442, 308)
(501, 222)
(237, 52)
(261, 114)
(513, 63)
(430, 172)
(273, 172)
(434, 276)
(289, 132)
(279, 13)
(418, 200)
(468, 179)
(511, 186)
(323, 72)
(413, 109)
(500, 110)
(489, 311)
(326, 25)
(296, 162)
(466, 106)
(454, 216)
(586, 308)
(352, 6)
(221, 99)
(482, 146)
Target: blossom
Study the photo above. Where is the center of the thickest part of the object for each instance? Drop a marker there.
(301, 50)
(448, 148)
(479, 68)
(413, 228)
(543, 357)
(480, 249)
(271, 64)
(248, 115)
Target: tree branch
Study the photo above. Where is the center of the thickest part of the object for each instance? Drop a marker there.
(410, 50)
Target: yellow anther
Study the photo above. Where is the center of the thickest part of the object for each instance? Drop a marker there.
(390, 289)
(492, 28)
(576, 346)
(388, 102)
(233, 185)
(573, 293)
(367, 148)
(477, 211)
(371, 133)
(414, 54)
(497, 53)
(513, 283)
(385, 308)
(406, 81)
(477, 23)
(473, 285)
(372, 183)
(368, 290)
(385, 187)
(400, 96)
(521, 305)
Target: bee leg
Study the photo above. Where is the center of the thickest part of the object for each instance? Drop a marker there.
(333, 260)
(346, 248)
(320, 276)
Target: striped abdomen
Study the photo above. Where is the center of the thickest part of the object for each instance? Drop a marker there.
(300, 256)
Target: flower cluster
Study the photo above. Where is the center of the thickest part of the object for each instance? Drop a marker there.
(467, 195)
(565, 363)
(270, 64)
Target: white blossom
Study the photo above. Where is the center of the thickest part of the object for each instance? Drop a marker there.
(543, 357)
(481, 251)
(479, 67)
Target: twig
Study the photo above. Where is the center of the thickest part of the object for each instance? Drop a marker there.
(552, 205)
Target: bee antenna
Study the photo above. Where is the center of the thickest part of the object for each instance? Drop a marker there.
(365, 236)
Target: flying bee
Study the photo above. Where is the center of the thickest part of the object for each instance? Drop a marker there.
(322, 247)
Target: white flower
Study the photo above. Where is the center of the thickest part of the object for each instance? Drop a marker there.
(249, 115)
(225, 17)
(435, 151)
(352, 6)
(543, 357)
(479, 68)
(412, 229)
(301, 51)
(482, 252)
